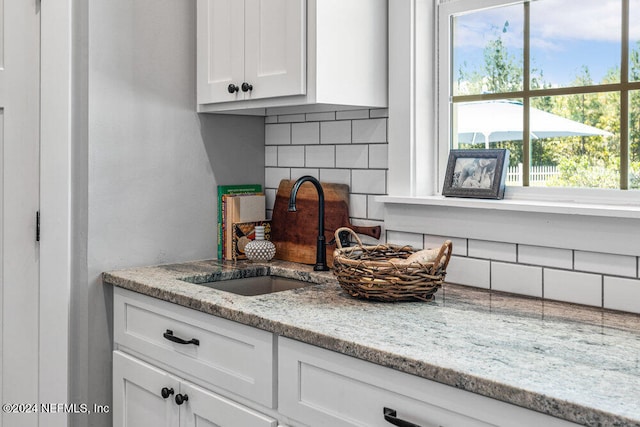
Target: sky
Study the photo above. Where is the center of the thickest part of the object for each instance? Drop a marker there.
(565, 35)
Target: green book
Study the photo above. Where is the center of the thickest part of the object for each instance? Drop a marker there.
(231, 189)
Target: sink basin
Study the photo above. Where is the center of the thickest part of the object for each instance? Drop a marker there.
(258, 285)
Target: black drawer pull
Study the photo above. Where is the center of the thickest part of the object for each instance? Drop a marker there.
(390, 415)
(169, 335)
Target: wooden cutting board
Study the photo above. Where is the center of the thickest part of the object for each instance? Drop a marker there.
(295, 234)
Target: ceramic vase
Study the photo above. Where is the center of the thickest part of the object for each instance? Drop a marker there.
(260, 249)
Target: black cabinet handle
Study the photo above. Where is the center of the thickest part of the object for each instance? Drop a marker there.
(390, 415)
(181, 398)
(246, 87)
(166, 392)
(169, 336)
(233, 88)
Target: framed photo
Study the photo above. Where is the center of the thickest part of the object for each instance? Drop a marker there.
(476, 173)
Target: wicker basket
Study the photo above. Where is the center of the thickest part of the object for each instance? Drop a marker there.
(378, 272)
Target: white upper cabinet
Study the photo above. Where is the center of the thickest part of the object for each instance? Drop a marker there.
(250, 49)
(220, 49)
(274, 43)
(255, 55)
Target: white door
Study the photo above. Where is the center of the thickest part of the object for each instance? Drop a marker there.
(204, 408)
(275, 48)
(143, 396)
(19, 198)
(220, 57)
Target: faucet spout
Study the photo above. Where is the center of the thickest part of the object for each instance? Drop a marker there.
(321, 254)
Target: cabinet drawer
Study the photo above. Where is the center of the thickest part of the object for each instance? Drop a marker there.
(228, 355)
(323, 388)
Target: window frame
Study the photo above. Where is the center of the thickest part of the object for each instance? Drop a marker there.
(597, 220)
(444, 10)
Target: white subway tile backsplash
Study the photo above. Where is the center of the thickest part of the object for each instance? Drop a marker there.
(277, 134)
(358, 205)
(469, 271)
(403, 238)
(270, 155)
(379, 156)
(492, 250)
(298, 172)
(380, 112)
(291, 156)
(619, 265)
(320, 117)
(305, 133)
(369, 181)
(335, 132)
(352, 114)
(321, 156)
(370, 131)
(273, 176)
(352, 156)
(572, 286)
(459, 245)
(518, 279)
(547, 257)
(337, 176)
(621, 294)
(351, 147)
(375, 210)
(290, 118)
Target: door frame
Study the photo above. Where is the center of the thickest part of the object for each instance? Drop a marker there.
(56, 121)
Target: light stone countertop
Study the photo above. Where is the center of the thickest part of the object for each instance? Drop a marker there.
(578, 363)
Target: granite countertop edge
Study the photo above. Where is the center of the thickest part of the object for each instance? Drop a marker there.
(173, 288)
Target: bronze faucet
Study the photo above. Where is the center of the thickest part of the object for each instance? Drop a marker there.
(321, 255)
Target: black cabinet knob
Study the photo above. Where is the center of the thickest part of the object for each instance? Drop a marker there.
(233, 88)
(166, 392)
(246, 87)
(181, 398)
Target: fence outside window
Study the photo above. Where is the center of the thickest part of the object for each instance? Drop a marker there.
(538, 175)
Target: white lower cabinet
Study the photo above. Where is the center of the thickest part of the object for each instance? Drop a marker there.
(178, 367)
(318, 387)
(147, 396)
(137, 394)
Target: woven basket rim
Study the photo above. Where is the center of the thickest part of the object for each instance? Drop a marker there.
(386, 280)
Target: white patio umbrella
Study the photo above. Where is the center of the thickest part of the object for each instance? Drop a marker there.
(492, 121)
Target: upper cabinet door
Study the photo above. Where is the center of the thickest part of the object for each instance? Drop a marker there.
(275, 48)
(220, 64)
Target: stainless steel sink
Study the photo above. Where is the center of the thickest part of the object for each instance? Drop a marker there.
(258, 285)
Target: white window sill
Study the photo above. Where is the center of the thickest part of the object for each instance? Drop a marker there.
(569, 207)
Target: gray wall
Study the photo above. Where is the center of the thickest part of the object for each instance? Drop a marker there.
(146, 165)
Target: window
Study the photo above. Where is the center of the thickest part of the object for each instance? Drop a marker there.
(557, 82)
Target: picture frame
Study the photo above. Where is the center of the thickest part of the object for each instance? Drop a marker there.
(476, 173)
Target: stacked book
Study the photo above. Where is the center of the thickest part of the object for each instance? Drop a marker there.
(240, 209)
